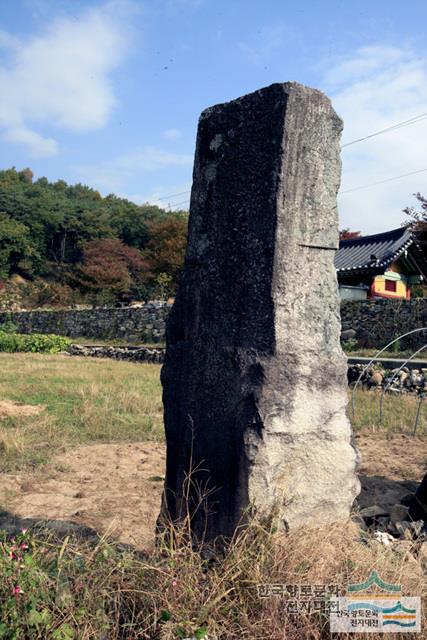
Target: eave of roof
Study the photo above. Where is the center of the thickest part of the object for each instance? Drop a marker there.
(353, 253)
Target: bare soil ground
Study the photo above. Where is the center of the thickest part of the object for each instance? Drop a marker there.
(117, 487)
(107, 487)
(9, 409)
(391, 467)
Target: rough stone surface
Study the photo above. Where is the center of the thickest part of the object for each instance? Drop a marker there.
(254, 378)
(391, 380)
(348, 335)
(418, 506)
(398, 512)
(375, 323)
(130, 353)
(146, 323)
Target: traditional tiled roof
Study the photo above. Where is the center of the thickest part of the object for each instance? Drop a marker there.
(372, 253)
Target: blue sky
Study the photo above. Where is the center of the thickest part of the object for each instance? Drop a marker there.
(109, 93)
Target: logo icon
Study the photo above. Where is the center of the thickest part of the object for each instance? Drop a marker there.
(375, 606)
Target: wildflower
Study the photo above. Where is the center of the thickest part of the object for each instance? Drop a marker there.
(174, 583)
(17, 590)
(24, 531)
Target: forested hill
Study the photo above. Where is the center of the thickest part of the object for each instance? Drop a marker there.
(105, 247)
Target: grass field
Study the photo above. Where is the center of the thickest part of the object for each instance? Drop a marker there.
(399, 413)
(394, 355)
(100, 400)
(73, 589)
(85, 400)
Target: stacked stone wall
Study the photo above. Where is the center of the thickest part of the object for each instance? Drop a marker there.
(374, 323)
(132, 324)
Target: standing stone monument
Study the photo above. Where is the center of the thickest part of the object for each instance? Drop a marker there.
(254, 380)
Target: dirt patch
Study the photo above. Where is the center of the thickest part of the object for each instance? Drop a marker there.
(391, 467)
(118, 487)
(107, 487)
(9, 409)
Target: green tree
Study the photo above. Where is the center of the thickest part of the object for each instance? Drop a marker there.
(17, 252)
(62, 219)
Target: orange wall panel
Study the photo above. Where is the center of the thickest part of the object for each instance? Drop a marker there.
(378, 287)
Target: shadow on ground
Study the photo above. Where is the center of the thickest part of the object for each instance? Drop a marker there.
(116, 488)
(13, 525)
(382, 491)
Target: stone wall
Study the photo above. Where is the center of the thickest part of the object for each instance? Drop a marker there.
(374, 323)
(155, 355)
(133, 324)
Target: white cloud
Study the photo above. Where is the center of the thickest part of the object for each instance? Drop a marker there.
(363, 62)
(32, 140)
(112, 175)
(172, 134)
(61, 77)
(374, 88)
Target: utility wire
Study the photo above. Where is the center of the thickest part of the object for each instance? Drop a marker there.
(174, 195)
(373, 184)
(365, 186)
(398, 125)
(178, 204)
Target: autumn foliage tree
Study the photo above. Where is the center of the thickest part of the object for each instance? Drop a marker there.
(165, 250)
(418, 218)
(112, 270)
(346, 234)
(419, 215)
(57, 235)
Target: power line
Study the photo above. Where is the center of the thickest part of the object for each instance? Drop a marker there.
(178, 204)
(174, 195)
(373, 184)
(365, 186)
(398, 125)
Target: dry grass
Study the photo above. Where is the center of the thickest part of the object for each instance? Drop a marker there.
(394, 355)
(225, 598)
(10, 409)
(86, 400)
(399, 413)
(177, 593)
